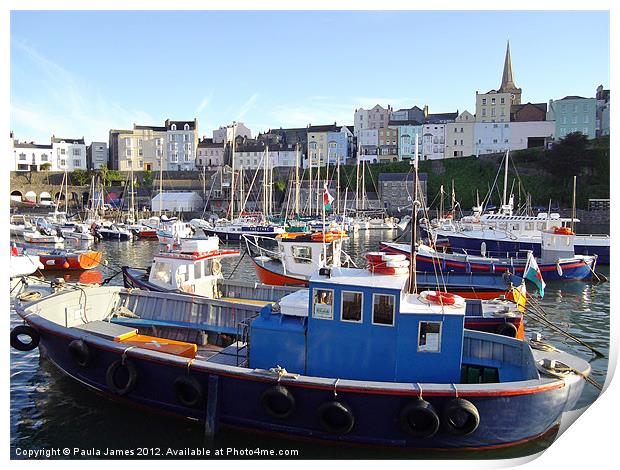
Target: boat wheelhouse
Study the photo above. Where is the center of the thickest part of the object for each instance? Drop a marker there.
(292, 258)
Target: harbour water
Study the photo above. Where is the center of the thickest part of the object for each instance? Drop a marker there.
(51, 411)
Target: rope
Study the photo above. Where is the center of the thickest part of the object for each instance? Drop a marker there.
(237, 265)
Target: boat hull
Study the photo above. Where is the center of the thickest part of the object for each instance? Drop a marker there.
(572, 270)
(235, 236)
(471, 245)
(509, 415)
(74, 261)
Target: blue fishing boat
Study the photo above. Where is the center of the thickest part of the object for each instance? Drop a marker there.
(356, 358)
(557, 263)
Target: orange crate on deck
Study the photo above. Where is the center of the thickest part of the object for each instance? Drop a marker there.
(168, 346)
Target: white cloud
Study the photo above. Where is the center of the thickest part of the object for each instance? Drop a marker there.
(69, 108)
(247, 106)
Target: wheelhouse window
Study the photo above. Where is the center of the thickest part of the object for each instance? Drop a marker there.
(197, 270)
(383, 309)
(429, 337)
(161, 272)
(351, 308)
(323, 304)
(302, 254)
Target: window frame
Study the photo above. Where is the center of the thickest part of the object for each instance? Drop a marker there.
(374, 295)
(438, 350)
(342, 292)
(314, 304)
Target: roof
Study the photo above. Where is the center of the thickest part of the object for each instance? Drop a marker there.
(401, 176)
(57, 140)
(153, 128)
(571, 97)
(404, 122)
(185, 196)
(31, 145)
(327, 128)
(438, 117)
(180, 124)
(208, 143)
(515, 108)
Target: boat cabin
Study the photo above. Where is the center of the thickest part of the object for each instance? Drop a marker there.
(557, 244)
(193, 266)
(354, 324)
(522, 224)
(303, 254)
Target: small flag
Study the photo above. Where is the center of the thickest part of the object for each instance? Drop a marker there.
(327, 198)
(532, 273)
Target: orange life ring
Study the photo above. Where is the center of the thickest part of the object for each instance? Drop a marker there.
(563, 231)
(443, 298)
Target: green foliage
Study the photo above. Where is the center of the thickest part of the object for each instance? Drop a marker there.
(147, 178)
(79, 177)
(46, 166)
(280, 185)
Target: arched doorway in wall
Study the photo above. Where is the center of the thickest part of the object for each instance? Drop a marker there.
(16, 196)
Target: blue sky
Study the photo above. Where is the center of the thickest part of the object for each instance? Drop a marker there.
(79, 74)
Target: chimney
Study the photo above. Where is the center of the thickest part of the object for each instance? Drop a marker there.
(425, 110)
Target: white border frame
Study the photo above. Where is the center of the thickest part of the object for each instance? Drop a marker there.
(372, 312)
(361, 320)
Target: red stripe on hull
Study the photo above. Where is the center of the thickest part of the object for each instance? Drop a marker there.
(276, 279)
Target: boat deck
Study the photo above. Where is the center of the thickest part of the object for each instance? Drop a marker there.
(233, 355)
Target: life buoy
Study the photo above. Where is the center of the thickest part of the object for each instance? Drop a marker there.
(419, 419)
(24, 330)
(461, 417)
(336, 417)
(443, 298)
(563, 231)
(79, 351)
(278, 401)
(507, 329)
(188, 391)
(112, 379)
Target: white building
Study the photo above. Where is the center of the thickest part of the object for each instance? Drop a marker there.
(182, 141)
(210, 154)
(225, 133)
(529, 134)
(460, 136)
(374, 118)
(177, 202)
(433, 141)
(97, 155)
(68, 154)
(28, 156)
(491, 137)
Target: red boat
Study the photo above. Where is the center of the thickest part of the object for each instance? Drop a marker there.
(69, 260)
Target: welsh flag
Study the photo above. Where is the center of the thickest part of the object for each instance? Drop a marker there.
(532, 273)
(327, 198)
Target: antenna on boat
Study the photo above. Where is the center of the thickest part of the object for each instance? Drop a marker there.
(413, 283)
(505, 178)
(572, 220)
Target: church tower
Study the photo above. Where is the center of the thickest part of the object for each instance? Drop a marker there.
(508, 84)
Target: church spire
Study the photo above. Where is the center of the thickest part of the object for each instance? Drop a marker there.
(508, 83)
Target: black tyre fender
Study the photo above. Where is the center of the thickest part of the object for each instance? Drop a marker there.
(188, 391)
(507, 329)
(24, 330)
(419, 419)
(278, 401)
(461, 417)
(336, 417)
(80, 352)
(112, 380)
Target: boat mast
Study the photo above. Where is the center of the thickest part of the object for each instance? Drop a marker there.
(413, 283)
(270, 187)
(363, 193)
(297, 178)
(232, 173)
(338, 184)
(505, 177)
(132, 210)
(573, 214)
(161, 182)
(265, 182)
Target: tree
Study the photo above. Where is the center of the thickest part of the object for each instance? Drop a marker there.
(80, 177)
(147, 178)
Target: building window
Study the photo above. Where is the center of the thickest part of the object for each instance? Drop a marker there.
(484, 111)
(77, 152)
(22, 156)
(323, 304)
(429, 336)
(484, 101)
(62, 151)
(351, 306)
(76, 162)
(44, 157)
(502, 100)
(173, 127)
(492, 111)
(128, 141)
(186, 127)
(383, 309)
(492, 100)
(128, 152)
(586, 119)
